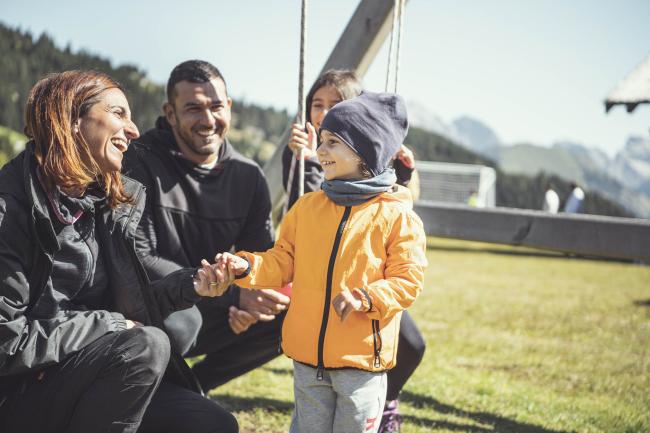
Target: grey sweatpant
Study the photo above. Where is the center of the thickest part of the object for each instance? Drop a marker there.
(345, 401)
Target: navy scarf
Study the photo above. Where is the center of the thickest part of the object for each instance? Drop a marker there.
(356, 192)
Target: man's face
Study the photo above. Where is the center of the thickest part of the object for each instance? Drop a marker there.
(200, 118)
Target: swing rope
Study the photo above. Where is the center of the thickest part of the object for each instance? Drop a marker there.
(302, 114)
(395, 39)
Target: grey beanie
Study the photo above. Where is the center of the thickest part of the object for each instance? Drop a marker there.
(373, 124)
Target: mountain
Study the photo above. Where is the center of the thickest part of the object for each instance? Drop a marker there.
(467, 131)
(624, 179)
(255, 130)
(586, 156)
(531, 159)
(477, 136)
(632, 164)
(423, 118)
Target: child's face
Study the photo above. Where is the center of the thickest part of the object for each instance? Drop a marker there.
(324, 99)
(338, 160)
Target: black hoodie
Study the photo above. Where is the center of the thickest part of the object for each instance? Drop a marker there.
(192, 212)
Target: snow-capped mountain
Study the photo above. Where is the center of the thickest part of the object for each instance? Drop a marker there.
(632, 164)
(625, 178)
(477, 136)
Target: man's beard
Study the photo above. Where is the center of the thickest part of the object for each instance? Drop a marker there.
(201, 148)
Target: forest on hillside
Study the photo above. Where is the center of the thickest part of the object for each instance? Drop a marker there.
(255, 131)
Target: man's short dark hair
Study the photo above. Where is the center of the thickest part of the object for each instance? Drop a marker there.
(194, 71)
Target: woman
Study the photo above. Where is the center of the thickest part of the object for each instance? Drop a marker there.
(331, 88)
(80, 338)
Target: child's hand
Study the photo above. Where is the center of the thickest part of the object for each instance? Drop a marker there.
(231, 265)
(346, 302)
(300, 139)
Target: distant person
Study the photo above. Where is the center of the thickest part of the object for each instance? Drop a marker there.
(80, 324)
(551, 200)
(203, 196)
(472, 200)
(355, 251)
(329, 89)
(575, 200)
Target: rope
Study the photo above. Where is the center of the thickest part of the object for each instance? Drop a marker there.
(302, 114)
(399, 41)
(395, 39)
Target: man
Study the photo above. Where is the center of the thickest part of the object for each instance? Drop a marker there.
(204, 197)
(575, 200)
(551, 199)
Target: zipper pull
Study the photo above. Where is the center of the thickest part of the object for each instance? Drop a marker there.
(319, 373)
(377, 360)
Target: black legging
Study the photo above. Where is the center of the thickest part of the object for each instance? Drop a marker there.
(409, 354)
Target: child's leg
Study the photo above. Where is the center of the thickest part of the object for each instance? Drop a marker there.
(360, 398)
(315, 401)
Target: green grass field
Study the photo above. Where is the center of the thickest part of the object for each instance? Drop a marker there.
(518, 340)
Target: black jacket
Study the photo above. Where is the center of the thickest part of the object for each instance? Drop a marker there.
(192, 213)
(35, 329)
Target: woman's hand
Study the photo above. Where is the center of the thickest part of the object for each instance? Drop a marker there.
(299, 139)
(346, 302)
(212, 280)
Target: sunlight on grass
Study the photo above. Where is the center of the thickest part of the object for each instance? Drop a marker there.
(517, 341)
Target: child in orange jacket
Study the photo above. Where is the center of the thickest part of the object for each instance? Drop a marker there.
(355, 252)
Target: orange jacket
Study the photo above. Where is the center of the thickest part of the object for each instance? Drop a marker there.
(380, 249)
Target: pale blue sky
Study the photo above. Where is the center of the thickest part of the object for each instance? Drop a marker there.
(533, 70)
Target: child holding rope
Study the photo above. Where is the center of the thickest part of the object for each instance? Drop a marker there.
(355, 252)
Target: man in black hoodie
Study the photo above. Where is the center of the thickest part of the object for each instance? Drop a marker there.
(204, 197)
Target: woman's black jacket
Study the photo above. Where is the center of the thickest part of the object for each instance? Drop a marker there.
(37, 326)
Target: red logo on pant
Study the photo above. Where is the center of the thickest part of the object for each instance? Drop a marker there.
(370, 424)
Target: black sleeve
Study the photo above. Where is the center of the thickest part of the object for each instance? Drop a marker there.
(257, 231)
(146, 238)
(175, 291)
(313, 175)
(157, 266)
(27, 343)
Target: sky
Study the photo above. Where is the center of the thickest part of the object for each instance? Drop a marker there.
(535, 71)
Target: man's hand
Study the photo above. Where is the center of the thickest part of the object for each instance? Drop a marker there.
(263, 304)
(346, 302)
(240, 320)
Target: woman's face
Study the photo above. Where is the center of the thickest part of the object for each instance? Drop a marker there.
(324, 99)
(107, 129)
(338, 160)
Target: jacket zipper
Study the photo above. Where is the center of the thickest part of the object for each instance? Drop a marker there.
(328, 291)
(376, 341)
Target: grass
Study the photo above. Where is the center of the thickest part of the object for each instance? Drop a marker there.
(517, 341)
